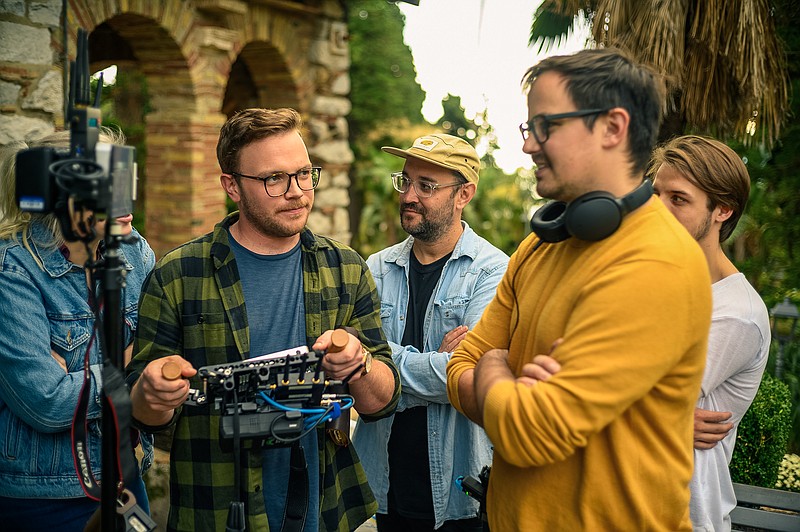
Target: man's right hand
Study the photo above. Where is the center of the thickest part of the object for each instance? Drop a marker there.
(710, 428)
(453, 338)
(155, 397)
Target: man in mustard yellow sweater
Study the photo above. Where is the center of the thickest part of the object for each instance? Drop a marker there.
(606, 443)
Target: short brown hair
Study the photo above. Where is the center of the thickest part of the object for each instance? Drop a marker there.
(605, 78)
(248, 126)
(712, 167)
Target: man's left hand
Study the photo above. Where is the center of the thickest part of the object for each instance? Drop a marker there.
(710, 428)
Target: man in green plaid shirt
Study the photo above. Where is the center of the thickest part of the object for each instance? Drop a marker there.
(261, 282)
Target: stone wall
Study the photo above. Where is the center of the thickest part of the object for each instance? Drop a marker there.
(284, 53)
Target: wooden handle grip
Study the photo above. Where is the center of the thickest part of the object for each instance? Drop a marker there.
(171, 371)
(339, 429)
(339, 340)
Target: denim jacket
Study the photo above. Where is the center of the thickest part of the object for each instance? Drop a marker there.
(43, 310)
(456, 446)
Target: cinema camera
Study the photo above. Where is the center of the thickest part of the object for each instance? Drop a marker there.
(275, 398)
(90, 175)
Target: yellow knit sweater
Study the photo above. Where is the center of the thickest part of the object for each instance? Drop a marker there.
(605, 444)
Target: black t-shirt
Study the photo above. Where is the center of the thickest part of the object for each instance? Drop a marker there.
(409, 470)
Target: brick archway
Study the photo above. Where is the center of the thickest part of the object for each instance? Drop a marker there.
(179, 203)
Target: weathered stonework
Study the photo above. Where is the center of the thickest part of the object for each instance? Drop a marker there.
(14, 128)
(46, 12)
(9, 93)
(48, 95)
(24, 44)
(13, 7)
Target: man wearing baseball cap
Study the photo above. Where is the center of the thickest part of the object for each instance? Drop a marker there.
(433, 287)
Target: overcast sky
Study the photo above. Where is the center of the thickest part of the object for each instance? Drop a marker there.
(480, 56)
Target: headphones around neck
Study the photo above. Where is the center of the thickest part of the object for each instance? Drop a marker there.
(592, 216)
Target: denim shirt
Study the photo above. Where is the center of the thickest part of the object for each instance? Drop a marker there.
(456, 446)
(44, 309)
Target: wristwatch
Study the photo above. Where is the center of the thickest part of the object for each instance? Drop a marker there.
(367, 361)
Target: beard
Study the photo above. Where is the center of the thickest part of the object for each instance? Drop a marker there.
(431, 226)
(268, 223)
(700, 232)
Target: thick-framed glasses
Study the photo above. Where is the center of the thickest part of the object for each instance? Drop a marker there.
(277, 184)
(424, 189)
(539, 125)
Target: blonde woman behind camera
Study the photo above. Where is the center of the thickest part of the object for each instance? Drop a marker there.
(46, 307)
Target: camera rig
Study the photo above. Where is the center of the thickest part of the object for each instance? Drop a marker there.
(272, 400)
(275, 399)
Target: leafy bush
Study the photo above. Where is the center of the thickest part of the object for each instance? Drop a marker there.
(763, 435)
(791, 376)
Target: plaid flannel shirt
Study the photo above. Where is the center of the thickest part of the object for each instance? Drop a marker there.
(192, 304)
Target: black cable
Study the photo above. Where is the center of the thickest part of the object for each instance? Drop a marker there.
(64, 58)
(514, 281)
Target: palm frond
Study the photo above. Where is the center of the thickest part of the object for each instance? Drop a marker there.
(610, 20)
(554, 20)
(739, 79)
(654, 32)
(549, 29)
(724, 65)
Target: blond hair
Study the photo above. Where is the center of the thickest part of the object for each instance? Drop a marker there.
(15, 224)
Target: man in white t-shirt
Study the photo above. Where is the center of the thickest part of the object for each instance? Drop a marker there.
(705, 184)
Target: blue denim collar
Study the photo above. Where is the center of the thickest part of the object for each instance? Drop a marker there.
(53, 261)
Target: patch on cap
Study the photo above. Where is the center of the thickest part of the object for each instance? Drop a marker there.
(425, 143)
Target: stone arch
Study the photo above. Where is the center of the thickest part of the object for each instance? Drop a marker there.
(260, 77)
(138, 43)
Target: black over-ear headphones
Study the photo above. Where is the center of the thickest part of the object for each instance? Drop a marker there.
(592, 216)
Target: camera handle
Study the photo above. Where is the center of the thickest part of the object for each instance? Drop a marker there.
(339, 429)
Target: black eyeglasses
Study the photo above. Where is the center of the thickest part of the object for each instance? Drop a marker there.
(424, 189)
(539, 125)
(277, 184)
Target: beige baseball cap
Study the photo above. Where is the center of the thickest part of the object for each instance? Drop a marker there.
(443, 150)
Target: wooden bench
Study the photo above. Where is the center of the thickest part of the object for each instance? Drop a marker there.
(755, 509)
